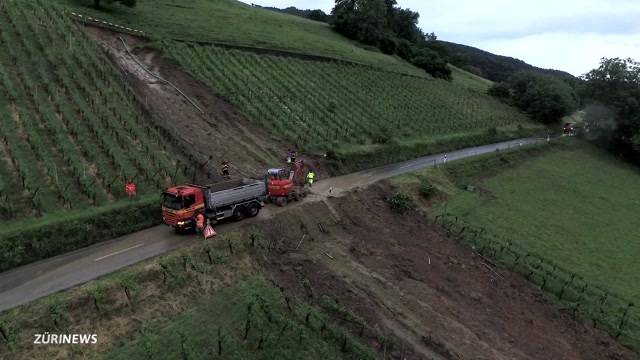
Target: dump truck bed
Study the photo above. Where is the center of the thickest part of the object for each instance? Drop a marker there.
(234, 192)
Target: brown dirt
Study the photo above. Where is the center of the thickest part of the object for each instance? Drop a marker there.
(433, 296)
(221, 132)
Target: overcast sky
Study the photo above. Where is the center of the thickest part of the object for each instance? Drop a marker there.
(569, 35)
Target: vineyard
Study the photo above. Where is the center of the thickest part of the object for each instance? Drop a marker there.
(328, 105)
(70, 131)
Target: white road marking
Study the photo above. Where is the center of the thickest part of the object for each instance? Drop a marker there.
(118, 252)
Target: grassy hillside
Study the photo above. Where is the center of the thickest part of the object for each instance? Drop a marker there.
(324, 106)
(236, 23)
(469, 80)
(70, 131)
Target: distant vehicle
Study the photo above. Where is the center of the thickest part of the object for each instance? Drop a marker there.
(569, 129)
(235, 199)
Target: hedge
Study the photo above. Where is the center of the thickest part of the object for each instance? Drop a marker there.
(45, 239)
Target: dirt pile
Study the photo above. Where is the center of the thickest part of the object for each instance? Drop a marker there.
(435, 297)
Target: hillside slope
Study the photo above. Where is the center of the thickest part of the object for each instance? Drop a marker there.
(345, 109)
(236, 23)
(492, 66)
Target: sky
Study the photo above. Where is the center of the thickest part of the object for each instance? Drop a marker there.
(569, 35)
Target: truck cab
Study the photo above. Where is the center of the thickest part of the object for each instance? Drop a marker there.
(181, 204)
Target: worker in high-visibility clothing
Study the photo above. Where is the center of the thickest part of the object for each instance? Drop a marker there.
(310, 177)
(200, 223)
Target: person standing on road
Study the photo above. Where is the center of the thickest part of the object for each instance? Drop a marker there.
(310, 177)
(200, 222)
(444, 159)
(225, 169)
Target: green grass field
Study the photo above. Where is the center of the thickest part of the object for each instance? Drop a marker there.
(324, 106)
(70, 130)
(236, 23)
(577, 207)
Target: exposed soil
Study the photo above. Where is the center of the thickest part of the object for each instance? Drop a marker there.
(220, 133)
(432, 295)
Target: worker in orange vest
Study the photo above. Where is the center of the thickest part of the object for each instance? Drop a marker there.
(200, 222)
(225, 169)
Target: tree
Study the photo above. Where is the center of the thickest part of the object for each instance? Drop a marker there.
(545, 98)
(361, 20)
(431, 62)
(318, 15)
(393, 30)
(615, 87)
(98, 3)
(500, 90)
(404, 50)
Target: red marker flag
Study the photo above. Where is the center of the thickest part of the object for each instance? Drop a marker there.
(130, 189)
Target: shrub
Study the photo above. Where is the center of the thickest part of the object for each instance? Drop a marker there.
(404, 50)
(400, 202)
(39, 242)
(500, 90)
(388, 46)
(426, 189)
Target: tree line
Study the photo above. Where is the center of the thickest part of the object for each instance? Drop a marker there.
(611, 99)
(608, 95)
(392, 29)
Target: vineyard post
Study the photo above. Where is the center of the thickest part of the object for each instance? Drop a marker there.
(623, 320)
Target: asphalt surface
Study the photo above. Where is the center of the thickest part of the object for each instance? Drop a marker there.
(30, 282)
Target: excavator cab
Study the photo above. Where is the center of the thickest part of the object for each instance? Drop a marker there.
(277, 174)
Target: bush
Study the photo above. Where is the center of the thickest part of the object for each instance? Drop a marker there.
(388, 46)
(39, 242)
(431, 62)
(500, 90)
(546, 98)
(404, 50)
(400, 202)
(426, 189)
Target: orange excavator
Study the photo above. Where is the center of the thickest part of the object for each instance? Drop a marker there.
(284, 185)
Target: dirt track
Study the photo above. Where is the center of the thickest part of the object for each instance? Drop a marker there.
(435, 296)
(221, 132)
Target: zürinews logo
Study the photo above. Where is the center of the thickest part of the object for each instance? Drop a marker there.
(60, 339)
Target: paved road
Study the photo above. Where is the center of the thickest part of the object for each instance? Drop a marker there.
(30, 282)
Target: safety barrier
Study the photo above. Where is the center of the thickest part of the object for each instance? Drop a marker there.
(603, 308)
(106, 24)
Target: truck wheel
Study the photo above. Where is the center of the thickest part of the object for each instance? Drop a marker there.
(281, 201)
(253, 210)
(238, 214)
